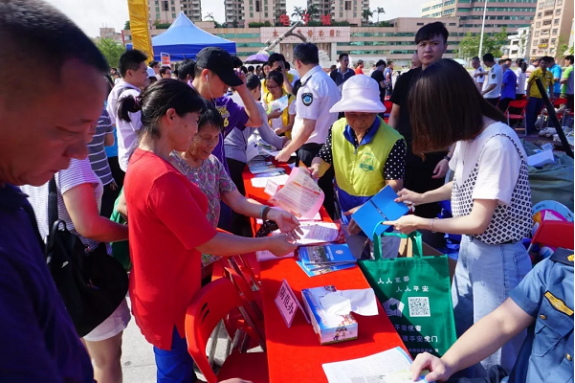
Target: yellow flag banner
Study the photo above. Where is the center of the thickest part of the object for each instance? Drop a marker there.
(139, 17)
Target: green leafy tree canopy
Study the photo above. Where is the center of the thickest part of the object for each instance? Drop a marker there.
(111, 51)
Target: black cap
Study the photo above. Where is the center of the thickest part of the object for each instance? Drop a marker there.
(221, 63)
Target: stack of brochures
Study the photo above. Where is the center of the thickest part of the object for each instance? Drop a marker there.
(318, 260)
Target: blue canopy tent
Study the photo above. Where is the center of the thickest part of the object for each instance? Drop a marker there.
(183, 40)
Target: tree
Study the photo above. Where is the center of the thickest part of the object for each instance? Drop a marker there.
(298, 12)
(312, 11)
(209, 16)
(366, 14)
(469, 44)
(562, 45)
(127, 25)
(111, 51)
(379, 10)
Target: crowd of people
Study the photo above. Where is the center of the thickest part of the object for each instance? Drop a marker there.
(169, 154)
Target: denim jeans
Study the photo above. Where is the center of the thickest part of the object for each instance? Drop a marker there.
(358, 243)
(175, 365)
(533, 108)
(484, 276)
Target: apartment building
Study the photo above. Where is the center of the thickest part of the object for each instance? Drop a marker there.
(235, 14)
(340, 10)
(512, 14)
(164, 11)
(192, 9)
(552, 28)
(260, 11)
(519, 44)
(110, 33)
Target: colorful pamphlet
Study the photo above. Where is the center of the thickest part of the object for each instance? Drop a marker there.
(318, 260)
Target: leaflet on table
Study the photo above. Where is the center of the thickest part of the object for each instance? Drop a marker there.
(300, 195)
(274, 153)
(315, 233)
(266, 255)
(381, 207)
(319, 260)
(271, 173)
(391, 366)
(261, 182)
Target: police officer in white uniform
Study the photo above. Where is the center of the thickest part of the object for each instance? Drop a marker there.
(315, 97)
(492, 87)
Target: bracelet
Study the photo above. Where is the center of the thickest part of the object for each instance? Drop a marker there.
(431, 225)
(264, 212)
(447, 158)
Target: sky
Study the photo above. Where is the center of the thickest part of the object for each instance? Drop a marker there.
(90, 15)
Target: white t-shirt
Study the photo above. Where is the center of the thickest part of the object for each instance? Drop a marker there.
(127, 132)
(521, 79)
(493, 166)
(479, 79)
(317, 94)
(494, 76)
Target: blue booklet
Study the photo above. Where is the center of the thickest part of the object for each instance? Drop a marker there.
(381, 207)
(318, 260)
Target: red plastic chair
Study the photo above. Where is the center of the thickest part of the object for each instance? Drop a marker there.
(554, 234)
(209, 306)
(518, 113)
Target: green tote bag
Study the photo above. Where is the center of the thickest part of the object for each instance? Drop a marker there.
(416, 296)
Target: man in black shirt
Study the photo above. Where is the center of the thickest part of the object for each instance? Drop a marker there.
(377, 75)
(344, 72)
(421, 174)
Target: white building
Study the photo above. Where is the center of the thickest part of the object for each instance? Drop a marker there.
(518, 46)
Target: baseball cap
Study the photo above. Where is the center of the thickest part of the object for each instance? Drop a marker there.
(221, 63)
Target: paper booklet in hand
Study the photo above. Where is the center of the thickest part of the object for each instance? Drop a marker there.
(300, 195)
(381, 207)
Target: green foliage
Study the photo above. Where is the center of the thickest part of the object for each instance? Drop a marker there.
(562, 45)
(378, 11)
(159, 25)
(111, 51)
(298, 13)
(469, 44)
(344, 23)
(312, 10)
(127, 25)
(258, 25)
(366, 14)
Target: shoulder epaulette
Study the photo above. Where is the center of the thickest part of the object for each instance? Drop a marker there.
(564, 256)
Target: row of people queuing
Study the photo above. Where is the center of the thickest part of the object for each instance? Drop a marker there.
(178, 142)
(501, 84)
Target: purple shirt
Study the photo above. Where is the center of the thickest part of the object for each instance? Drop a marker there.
(234, 116)
(509, 83)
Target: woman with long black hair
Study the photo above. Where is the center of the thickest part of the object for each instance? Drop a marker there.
(168, 227)
(490, 194)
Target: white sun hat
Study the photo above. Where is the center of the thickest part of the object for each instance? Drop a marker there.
(359, 94)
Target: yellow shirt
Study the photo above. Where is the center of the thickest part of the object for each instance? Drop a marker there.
(265, 89)
(546, 79)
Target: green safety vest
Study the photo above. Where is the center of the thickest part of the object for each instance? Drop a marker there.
(359, 172)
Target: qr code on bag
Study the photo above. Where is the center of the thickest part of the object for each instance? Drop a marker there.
(418, 307)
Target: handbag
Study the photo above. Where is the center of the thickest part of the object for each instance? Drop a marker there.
(92, 283)
(415, 294)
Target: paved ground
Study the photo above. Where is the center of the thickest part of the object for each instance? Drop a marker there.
(138, 362)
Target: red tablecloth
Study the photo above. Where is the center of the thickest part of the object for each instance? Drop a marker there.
(295, 354)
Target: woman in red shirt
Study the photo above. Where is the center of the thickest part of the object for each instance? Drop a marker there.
(168, 228)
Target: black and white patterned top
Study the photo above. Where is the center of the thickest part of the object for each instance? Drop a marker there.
(394, 168)
(511, 222)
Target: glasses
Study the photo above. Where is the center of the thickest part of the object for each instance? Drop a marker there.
(272, 86)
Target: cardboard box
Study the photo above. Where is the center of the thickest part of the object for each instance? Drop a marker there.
(329, 328)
